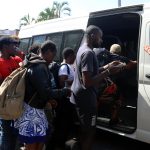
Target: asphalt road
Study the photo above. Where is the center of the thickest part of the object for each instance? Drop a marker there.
(109, 141)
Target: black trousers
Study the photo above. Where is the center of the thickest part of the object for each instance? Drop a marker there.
(63, 124)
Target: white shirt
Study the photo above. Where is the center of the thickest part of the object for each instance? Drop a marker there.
(63, 71)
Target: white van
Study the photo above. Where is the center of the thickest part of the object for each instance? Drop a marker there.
(127, 26)
(66, 32)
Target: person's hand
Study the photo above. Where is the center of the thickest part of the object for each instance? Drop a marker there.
(113, 63)
(131, 65)
(48, 105)
(66, 92)
(51, 104)
(115, 67)
(21, 64)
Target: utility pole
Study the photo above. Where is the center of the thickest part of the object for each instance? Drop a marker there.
(119, 3)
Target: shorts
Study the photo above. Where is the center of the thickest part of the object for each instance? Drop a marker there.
(87, 117)
(32, 125)
(86, 108)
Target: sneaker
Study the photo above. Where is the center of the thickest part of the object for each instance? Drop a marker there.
(72, 144)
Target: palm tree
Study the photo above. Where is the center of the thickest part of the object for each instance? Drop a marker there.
(26, 20)
(54, 12)
(48, 13)
(60, 8)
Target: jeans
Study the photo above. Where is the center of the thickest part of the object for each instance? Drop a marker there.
(7, 135)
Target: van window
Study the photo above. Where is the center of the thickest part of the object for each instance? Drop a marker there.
(24, 44)
(57, 39)
(39, 39)
(73, 39)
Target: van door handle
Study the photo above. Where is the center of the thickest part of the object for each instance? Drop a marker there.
(147, 76)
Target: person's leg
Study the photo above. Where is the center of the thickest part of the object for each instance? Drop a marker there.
(69, 115)
(31, 146)
(34, 146)
(115, 110)
(87, 138)
(7, 137)
(63, 125)
(40, 146)
(88, 123)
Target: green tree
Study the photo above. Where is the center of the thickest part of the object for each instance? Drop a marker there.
(26, 20)
(61, 8)
(48, 13)
(55, 12)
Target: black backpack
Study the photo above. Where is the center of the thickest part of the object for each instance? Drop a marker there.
(54, 69)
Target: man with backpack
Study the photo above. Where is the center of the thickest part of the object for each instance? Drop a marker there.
(33, 123)
(8, 63)
(63, 120)
(66, 113)
(66, 71)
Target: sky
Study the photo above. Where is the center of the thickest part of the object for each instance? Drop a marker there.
(11, 11)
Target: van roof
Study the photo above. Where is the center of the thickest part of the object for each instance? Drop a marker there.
(54, 25)
(132, 8)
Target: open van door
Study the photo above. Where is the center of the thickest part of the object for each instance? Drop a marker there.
(143, 119)
(121, 26)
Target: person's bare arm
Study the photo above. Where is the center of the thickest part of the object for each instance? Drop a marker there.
(63, 79)
(89, 81)
(131, 65)
(107, 66)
